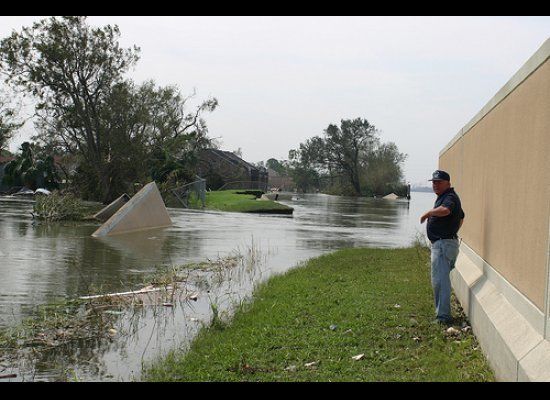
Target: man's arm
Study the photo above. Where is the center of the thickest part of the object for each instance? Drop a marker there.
(440, 211)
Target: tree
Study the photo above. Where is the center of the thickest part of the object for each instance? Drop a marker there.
(174, 137)
(383, 169)
(9, 122)
(348, 159)
(303, 165)
(276, 166)
(86, 106)
(30, 171)
(347, 145)
(71, 69)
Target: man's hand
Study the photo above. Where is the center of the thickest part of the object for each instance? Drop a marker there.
(424, 217)
(440, 211)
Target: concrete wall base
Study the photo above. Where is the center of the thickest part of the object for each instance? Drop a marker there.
(509, 328)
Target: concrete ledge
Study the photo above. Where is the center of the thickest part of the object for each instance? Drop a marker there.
(535, 367)
(464, 280)
(513, 344)
(472, 266)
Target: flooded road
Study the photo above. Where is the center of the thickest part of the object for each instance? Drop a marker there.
(45, 262)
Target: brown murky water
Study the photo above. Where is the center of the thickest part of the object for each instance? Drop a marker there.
(43, 262)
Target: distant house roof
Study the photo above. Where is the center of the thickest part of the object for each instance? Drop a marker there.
(233, 158)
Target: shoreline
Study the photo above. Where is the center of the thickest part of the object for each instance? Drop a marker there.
(360, 314)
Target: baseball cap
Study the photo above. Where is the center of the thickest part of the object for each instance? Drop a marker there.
(440, 175)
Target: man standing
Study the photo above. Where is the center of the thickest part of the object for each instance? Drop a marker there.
(444, 221)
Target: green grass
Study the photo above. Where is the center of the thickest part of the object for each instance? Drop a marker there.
(376, 302)
(231, 200)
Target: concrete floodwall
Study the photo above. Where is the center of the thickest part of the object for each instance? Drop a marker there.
(500, 165)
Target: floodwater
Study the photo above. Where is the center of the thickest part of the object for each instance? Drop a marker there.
(43, 262)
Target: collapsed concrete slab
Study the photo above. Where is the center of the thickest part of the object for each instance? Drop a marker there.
(391, 196)
(144, 210)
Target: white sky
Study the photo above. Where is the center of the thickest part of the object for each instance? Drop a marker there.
(281, 80)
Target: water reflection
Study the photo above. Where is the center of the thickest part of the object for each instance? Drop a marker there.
(41, 262)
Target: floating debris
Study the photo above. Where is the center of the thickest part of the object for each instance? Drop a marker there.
(113, 312)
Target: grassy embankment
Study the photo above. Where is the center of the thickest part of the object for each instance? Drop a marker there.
(243, 201)
(308, 324)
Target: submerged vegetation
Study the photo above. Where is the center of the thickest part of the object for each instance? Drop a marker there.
(57, 206)
(66, 327)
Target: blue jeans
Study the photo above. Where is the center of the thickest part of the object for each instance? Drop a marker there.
(444, 254)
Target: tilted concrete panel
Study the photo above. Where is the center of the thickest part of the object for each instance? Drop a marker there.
(143, 211)
(108, 211)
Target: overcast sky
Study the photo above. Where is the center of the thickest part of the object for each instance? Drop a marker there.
(281, 80)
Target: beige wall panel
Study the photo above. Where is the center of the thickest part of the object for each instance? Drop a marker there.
(452, 160)
(501, 170)
(472, 190)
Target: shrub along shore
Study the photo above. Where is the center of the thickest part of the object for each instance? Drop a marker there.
(353, 315)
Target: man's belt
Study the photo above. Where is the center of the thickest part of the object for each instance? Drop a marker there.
(433, 241)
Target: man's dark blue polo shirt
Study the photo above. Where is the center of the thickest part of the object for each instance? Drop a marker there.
(446, 227)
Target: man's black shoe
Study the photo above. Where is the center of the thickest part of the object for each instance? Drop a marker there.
(442, 322)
